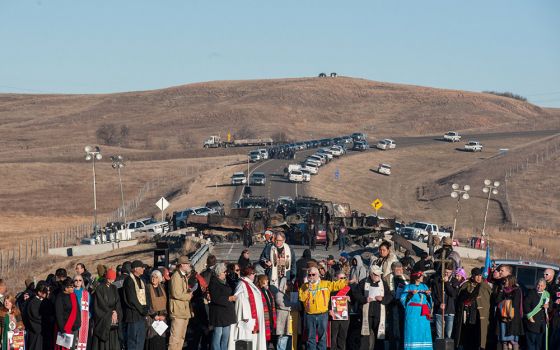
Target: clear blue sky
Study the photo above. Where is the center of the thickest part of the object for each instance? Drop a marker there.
(69, 46)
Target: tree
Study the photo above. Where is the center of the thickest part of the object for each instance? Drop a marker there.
(107, 134)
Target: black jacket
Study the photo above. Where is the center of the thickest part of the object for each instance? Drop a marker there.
(133, 310)
(222, 311)
(451, 291)
(531, 301)
(515, 326)
(62, 309)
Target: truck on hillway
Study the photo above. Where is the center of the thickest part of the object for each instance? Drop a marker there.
(419, 231)
(216, 142)
(452, 136)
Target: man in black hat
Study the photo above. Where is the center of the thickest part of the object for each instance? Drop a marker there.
(135, 307)
(473, 308)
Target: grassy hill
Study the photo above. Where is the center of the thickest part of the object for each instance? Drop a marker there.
(173, 122)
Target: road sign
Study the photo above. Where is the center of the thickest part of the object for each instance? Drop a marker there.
(162, 204)
(337, 174)
(377, 204)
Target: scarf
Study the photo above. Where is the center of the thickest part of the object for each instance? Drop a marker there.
(140, 290)
(71, 319)
(269, 313)
(253, 305)
(83, 297)
(544, 297)
(159, 300)
(365, 315)
(280, 263)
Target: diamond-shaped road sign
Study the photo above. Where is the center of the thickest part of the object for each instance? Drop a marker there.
(162, 204)
(377, 204)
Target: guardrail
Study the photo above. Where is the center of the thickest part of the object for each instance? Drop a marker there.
(199, 254)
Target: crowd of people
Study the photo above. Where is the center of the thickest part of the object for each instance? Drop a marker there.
(283, 302)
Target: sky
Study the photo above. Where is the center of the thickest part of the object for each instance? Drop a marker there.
(69, 46)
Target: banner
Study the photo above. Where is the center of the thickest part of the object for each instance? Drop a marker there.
(339, 307)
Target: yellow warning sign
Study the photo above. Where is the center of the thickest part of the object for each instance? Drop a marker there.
(377, 204)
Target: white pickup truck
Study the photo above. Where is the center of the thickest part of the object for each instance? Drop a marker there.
(452, 136)
(473, 146)
(148, 225)
(418, 231)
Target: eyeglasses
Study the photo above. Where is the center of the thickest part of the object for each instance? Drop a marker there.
(311, 274)
(237, 270)
(78, 280)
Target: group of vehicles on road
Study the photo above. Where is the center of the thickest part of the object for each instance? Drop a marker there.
(310, 166)
(216, 142)
(470, 146)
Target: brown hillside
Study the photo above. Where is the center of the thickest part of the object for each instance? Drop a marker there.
(304, 108)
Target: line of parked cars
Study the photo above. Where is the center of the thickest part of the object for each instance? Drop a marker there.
(212, 207)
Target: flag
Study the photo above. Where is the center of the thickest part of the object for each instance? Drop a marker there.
(487, 264)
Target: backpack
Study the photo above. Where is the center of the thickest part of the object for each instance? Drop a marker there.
(506, 310)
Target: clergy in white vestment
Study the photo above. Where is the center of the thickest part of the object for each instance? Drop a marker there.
(278, 260)
(249, 311)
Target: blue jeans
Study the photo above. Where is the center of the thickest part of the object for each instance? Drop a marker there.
(341, 242)
(220, 338)
(284, 342)
(316, 325)
(136, 335)
(448, 325)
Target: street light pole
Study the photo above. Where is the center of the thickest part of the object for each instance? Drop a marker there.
(93, 154)
(118, 163)
(457, 193)
(490, 188)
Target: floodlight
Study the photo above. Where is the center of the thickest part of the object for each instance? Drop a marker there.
(98, 156)
(466, 188)
(487, 182)
(454, 195)
(494, 191)
(496, 183)
(485, 189)
(88, 149)
(455, 186)
(88, 156)
(466, 196)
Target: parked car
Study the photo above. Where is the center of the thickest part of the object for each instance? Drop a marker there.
(149, 225)
(419, 231)
(452, 136)
(337, 150)
(202, 211)
(321, 158)
(384, 169)
(258, 178)
(313, 169)
(358, 136)
(360, 146)
(386, 144)
(217, 206)
(238, 178)
(296, 176)
(326, 152)
(473, 146)
(312, 163)
(527, 272)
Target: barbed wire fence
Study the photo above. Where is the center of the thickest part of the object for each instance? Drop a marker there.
(28, 250)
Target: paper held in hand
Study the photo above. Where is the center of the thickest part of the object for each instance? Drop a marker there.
(159, 327)
(375, 292)
(65, 340)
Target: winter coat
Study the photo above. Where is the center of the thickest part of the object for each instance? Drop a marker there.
(222, 311)
(358, 272)
(515, 326)
(451, 292)
(480, 294)
(63, 308)
(531, 301)
(385, 263)
(360, 296)
(179, 297)
(283, 308)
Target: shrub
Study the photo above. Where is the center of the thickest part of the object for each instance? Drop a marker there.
(507, 94)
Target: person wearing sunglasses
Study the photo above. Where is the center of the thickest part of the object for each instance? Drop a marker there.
(315, 295)
(83, 298)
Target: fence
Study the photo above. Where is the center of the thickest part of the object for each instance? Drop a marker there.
(12, 259)
(550, 150)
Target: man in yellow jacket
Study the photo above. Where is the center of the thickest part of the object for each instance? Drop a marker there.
(315, 296)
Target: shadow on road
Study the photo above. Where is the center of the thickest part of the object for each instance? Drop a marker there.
(222, 185)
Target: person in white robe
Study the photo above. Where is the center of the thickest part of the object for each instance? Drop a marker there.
(248, 327)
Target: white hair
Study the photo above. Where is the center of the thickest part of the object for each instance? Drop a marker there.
(158, 274)
(220, 268)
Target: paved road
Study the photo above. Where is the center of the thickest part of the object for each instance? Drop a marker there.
(278, 186)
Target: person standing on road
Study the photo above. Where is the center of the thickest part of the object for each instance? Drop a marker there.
(312, 234)
(247, 234)
(342, 234)
(386, 258)
(278, 260)
(135, 307)
(315, 296)
(417, 302)
(222, 308)
(330, 235)
(179, 305)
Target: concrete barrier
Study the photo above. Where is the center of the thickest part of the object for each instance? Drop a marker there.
(81, 250)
